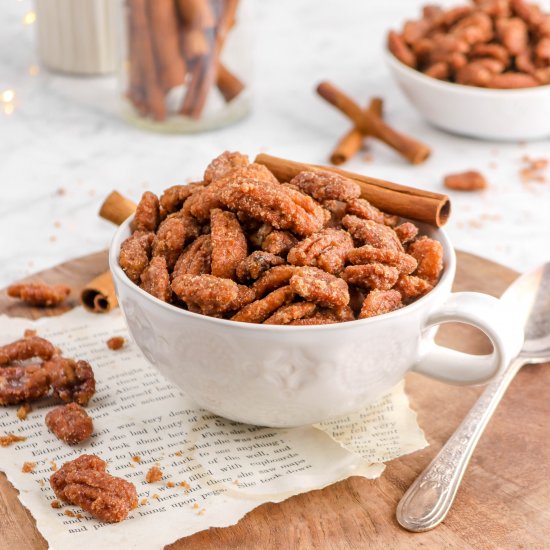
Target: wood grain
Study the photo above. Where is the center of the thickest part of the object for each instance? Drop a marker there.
(504, 500)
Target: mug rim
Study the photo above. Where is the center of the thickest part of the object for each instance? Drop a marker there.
(438, 233)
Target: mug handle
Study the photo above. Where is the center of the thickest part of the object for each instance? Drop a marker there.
(485, 313)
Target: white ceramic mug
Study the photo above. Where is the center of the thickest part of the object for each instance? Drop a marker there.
(294, 375)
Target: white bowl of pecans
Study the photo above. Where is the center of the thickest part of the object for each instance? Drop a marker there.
(276, 294)
(480, 70)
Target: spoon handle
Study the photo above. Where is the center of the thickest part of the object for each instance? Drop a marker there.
(431, 496)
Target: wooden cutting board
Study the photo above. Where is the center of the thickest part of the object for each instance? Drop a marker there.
(504, 501)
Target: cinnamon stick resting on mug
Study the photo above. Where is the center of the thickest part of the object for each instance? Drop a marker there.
(407, 202)
(370, 123)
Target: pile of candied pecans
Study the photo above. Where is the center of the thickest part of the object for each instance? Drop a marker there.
(488, 43)
(241, 245)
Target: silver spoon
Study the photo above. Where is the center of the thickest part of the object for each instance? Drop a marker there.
(430, 497)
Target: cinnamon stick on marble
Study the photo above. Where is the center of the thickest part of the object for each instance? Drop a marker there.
(407, 202)
(371, 124)
(352, 142)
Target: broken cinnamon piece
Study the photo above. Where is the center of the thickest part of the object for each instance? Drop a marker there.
(466, 181)
(371, 124)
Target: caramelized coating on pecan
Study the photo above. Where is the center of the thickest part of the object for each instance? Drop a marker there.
(375, 234)
(135, 252)
(326, 249)
(429, 255)
(259, 310)
(71, 380)
(85, 482)
(278, 243)
(155, 279)
(286, 314)
(466, 181)
(211, 295)
(372, 276)
(327, 316)
(255, 265)
(316, 285)
(229, 246)
(274, 278)
(378, 302)
(171, 237)
(275, 204)
(70, 423)
(323, 186)
(406, 232)
(369, 254)
(223, 165)
(411, 287)
(337, 209)
(39, 294)
(26, 348)
(362, 208)
(20, 384)
(174, 197)
(196, 259)
(147, 216)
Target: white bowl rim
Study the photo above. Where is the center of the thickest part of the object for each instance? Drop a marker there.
(448, 272)
(462, 88)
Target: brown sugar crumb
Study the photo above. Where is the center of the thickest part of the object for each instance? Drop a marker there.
(53, 466)
(170, 484)
(29, 332)
(41, 482)
(178, 453)
(28, 467)
(185, 485)
(533, 170)
(70, 513)
(61, 191)
(10, 439)
(143, 502)
(202, 512)
(23, 411)
(465, 181)
(136, 458)
(116, 343)
(236, 482)
(154, 474)
(55, 504)
(155, 496)
(196, 505)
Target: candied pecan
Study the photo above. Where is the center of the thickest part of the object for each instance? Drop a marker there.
(257, 236)
(20, 384)
(370, 254)
(525, 62)
(513, 34)
(279, 243)
(530, 13)
(211, 295)
(147, 216)
(229, 247)
(196, 259)
(326, 250)
(26, 348)
(362, 208)
(71, 380)
(445, 46)
(378, 302)
(85, 482)
(286, 314)
(174, 197)
(171, 237)
(399, 48)
(452, 16)
(323, 186)
(70, 423)
(337, 209)
(369, 232)
(475, 73)
(223, 165)
(466, 181)
(415, 30)
(155, 280)
(474, 29)
(372, 276)
(274, 278)
(495, 8)
(116, 342)
(313, 320)
(259, 310)
(406, 232)
(272, 203)
(316, 285)
(495, 51)
(39, 294)
(327, 316)
(439, 70)
(153, 475)
(135, 252)
(513, 80)
(543, 75)
(429, 255)
(255, 265)
(411, 287)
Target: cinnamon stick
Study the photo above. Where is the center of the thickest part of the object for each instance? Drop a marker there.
(116, 208)
(370, 124)
(352, 142)
(228, 84)
(407, 202)
(99, 296)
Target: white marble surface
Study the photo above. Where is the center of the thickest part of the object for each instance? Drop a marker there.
(65, 134)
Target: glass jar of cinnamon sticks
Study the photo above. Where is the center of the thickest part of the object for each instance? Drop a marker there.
(186, 64)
